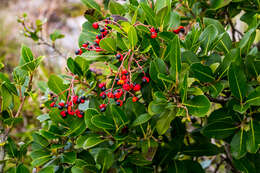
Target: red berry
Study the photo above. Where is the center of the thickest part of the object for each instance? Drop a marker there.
(95, 25)
(137, 87)
(126, 87)
(98, 49)
(102, 106)
(52, 104)
(153, 35)
(135, 99)
(101, 85)
(85, 45)
(71, 112)
(80, 114)
(62, 104)
(82, 101)
(78, 52)
(176, 31)
(118, 95)
(102, 95)
(145, 79)
(63, 113)
(110, 95)
(119, 57)
(124, 72)
(97, 41)
(119, 102)
(123, 77)
(152, 29)
(75, 99)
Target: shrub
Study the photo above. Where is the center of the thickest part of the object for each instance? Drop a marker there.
(152, 88)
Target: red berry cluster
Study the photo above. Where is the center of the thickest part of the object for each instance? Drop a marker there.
(104, 31)
(154, 32)
(179, 29)
(124, 86)
(71, 107)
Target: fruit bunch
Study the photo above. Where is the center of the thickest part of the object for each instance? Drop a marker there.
(154, 32)
(104, 31)
(123, 87)
(179, 29)
(70, 107)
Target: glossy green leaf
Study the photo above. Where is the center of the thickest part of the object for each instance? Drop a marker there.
(105, 157)
(56, 35)
(175, 58)
(68, 157)
(108, 44)
(198, 105)
(22, 169)
(103, 122)
(163, 124)
(207, 37)
(216, 4)
(201, 72)
(92, 141)
(132, 36)
(55, 83)
(254, 97)
(237, 81)
(40, 139)
(238, 144)
(91, 4)
(141, 119)
(253, 139)
(116, 8)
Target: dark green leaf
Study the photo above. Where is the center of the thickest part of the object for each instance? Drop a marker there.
(108, 44)
(202, 73)
(198, 105)
(238, 144)
(55, 83)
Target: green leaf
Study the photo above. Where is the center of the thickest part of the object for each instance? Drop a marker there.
(40, 161)
(198, 105)
(74, 67)
(165, 78)
(56, 35)
(40, 139)
(176, 166)
(206, 149)
(219, 129)
(216, 4)
(103, 122)
(237, 81)
(32, 65)
(247, 40)
(253, 98)
(216, 23)
(244, 165)
(159, 4)
(116, 8)
(40, 157)
(253, 139)
(91, 4)
(75, 169)
(69, 157)
(26, 54)
(202, 73)
(19, 75)
(108, 44)
(141, 119)
(7, 98)
(175, 20)
(132, 37)
(118, 115)
(156, 108)
(48, 169)
(55, 83)
(175, 58)
(238, 144)
(163, 124)
(89, 114)
(82, 63)
(149, 13)
(216, 89)
(162, 17)
(105, 157)
(1, 65)
(22, 169)
(92, 141)
(207, 37)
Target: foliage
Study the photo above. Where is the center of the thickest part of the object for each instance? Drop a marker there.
(198, 100)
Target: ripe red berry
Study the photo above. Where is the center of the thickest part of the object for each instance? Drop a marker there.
(102, 106)
(110, 95)
(102, 95)
(123, 77)
(126, 87)
(145, 79)
(85, 45)
(63, 114)
(95, 25)
(181, 29)
(118, 95)
(101, 85)
(119, 102)
(176, 31)
(62, 104)
(98, 49)
(82, 101)
(135, 99)
(152, 29)
(137, 87)
(75, 99)
(80, 114)
(153, 35)
(71, 112)
(119, 57)
(52, 104)
(97, 41)
(124, 72)
(78, 52)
